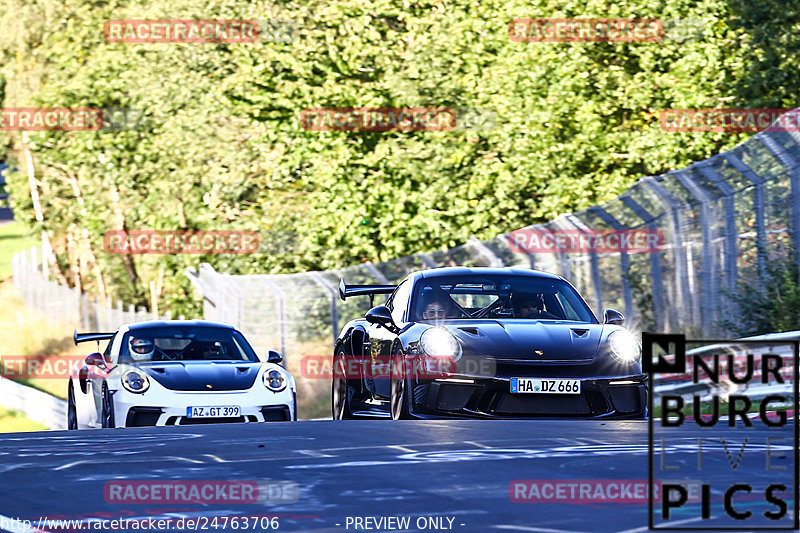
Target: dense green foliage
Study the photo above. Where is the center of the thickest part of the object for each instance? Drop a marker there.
(768, 302)
(220, 144)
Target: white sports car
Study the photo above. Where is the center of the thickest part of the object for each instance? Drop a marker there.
(179, 372)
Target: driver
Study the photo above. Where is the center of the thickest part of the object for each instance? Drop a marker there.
(434, 310)
(529, 305)
(141, 349)
(212, 351)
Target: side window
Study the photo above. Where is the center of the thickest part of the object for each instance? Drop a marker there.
(107, 351)
(399, 301)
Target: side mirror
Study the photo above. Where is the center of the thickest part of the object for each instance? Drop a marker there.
(381, 316)
(614, 317)
(274, 357)
(96, 359)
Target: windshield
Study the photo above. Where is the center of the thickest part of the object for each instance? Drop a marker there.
(487, 296)
(185, 343)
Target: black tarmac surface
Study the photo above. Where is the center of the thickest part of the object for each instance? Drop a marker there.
(441, 475)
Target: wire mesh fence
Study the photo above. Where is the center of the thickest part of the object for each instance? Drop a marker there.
(717, 219)
(60, 304)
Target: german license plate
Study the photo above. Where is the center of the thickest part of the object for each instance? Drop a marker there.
(545, 386)
(214, 411)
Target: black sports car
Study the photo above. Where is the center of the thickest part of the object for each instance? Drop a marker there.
(485, 342)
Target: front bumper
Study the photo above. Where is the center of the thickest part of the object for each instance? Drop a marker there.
(169, 408)
(490, 397)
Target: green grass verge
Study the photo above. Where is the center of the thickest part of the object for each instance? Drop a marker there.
(14, 237)
(16, 421)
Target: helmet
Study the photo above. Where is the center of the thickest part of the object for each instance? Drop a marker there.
(212, 351)
(141, 349)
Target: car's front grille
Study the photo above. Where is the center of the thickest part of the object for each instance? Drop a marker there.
(453, 397)
(542, 404)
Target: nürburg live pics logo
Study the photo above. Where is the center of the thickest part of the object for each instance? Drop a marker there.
(723, 433)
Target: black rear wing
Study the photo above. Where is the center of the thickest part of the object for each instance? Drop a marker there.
(346, 291)
(86, 337)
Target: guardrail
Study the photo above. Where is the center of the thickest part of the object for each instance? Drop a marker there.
(58, 303)
(37, 405)
(52, 412)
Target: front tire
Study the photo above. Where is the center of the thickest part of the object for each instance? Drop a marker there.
(72, 412)
(341, 391)
(400, 399)
(108, 408)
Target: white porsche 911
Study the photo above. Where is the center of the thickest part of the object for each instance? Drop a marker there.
(178, 372)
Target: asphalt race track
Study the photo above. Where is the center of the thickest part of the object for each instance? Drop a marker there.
(459, 470)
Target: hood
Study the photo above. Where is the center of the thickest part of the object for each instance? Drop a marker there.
(198, 375)
(522, 339)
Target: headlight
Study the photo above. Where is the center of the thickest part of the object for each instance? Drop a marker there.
(274, 381)
(624, 346)
(440, 342)
(135, 381)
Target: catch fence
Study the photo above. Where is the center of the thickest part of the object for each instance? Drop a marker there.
(67, 305)
(721, 219)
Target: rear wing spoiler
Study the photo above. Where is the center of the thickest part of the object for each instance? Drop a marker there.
(87, 337)
(346, 291)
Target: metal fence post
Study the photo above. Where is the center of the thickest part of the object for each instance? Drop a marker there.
(769, 140)
(758, 205)
(281, 312)
(683, 296)
(624, 260)
(662, 322)
(705, 308)
(334, 294)
(594, 264)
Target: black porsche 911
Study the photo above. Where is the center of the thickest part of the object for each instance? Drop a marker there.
(485, 342)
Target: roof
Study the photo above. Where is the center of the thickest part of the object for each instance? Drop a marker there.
(171, 323)
(478, 271)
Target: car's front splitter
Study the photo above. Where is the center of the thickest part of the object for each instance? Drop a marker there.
(165, 407)
(482, 397)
